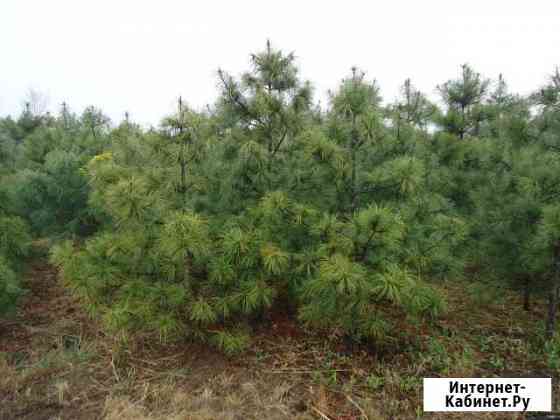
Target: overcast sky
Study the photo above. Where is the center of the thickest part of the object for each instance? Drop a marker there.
(141, 55)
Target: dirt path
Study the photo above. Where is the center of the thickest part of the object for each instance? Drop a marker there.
(44, 354)
(44, 305)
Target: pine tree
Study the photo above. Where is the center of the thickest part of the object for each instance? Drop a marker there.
(464, 98)
(412, 109)
(15, 242)
(268, 108)
(218, 218)
(50, 187)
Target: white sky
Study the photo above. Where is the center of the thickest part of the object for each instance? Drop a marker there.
(140, 55)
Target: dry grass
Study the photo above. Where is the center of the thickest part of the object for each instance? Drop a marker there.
(245, 402)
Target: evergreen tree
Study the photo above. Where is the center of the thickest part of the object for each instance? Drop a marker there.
(268, 109)
(412, 109)
(464, 99)
(219, 217)
(14, 247)
(343, 215)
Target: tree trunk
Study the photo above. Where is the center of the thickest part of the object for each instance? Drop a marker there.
(527, 295)
(552, 310)
(463, 122)
(399, 124)
(183, 165)
(353, 151)
(354, 192)
(182, 159)
(553, 295)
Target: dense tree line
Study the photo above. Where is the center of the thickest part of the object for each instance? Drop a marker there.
(348, 216)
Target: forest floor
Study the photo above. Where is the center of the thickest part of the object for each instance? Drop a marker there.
(56, 363)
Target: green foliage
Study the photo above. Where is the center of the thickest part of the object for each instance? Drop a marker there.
(9, 287)
(345, 215)
(230, 343)
(217, 218)
(552, 352)
(15, 242)
(47, 184)
(14, 237)
(464, 98)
